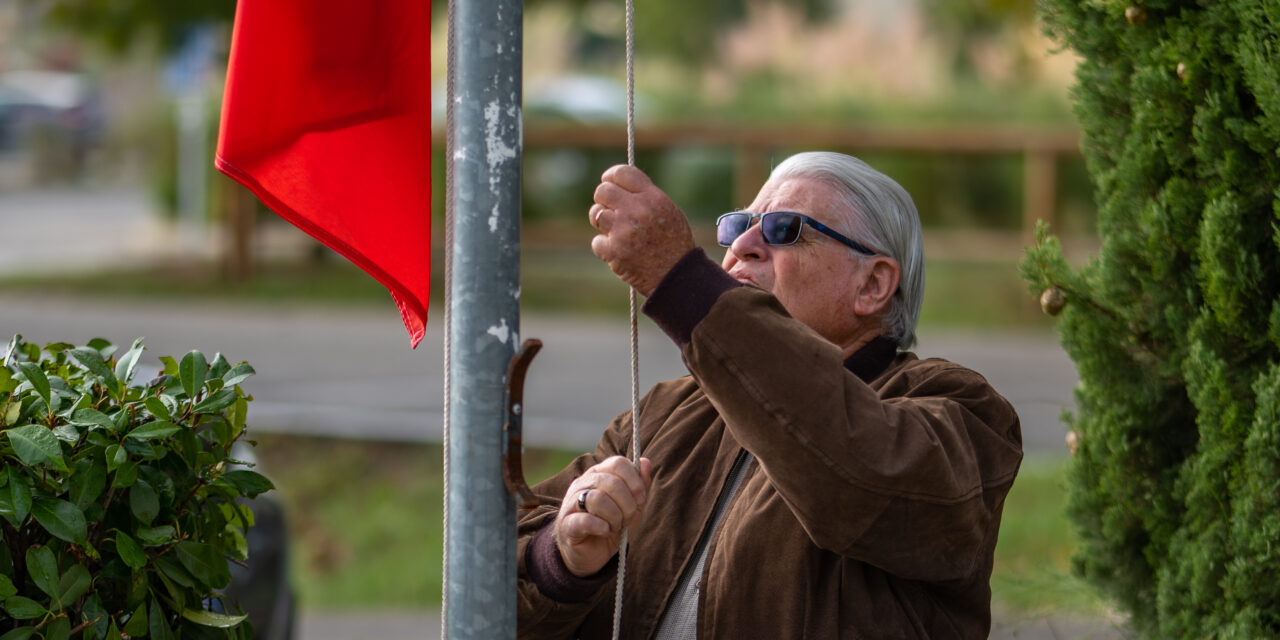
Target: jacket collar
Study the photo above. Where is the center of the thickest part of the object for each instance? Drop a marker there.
(872, 359)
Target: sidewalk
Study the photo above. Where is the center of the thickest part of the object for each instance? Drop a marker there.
(425, 625)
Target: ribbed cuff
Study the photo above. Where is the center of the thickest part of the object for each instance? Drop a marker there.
(547, 570)
(686, 294)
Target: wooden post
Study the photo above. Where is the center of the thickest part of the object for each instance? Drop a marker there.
(239, 205)
(1040, 190)
(750, 170)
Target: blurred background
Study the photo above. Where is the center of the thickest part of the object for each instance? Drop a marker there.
(114, 223)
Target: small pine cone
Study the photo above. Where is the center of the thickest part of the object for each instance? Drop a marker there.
(1052, 301)
(1073, 442)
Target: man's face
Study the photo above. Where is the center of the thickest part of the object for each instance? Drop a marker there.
(817, 278)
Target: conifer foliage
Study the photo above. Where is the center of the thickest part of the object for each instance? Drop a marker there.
(1175, 325)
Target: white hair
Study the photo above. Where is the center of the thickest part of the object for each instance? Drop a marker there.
(881, 215)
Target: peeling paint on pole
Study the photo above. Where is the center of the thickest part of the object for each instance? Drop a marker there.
(484, 318)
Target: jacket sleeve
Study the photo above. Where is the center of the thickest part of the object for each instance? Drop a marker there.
(551, 602)
(912, 483)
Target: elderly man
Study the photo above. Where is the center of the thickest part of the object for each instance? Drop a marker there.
(811, 478)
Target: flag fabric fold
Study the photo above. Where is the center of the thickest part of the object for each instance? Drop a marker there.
(327, 119)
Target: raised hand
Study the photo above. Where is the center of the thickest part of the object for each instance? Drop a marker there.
(642, 232)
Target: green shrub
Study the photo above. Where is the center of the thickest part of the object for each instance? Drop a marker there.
(1175, 326)
(119, 504)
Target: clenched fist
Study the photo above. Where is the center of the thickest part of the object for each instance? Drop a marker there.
(597, 506)
(642, 232)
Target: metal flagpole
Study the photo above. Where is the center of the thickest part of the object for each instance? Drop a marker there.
(484, 315)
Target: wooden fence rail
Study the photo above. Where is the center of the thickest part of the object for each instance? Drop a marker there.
(752, 147)
(753, 144)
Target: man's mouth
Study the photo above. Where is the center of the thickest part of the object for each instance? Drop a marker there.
(746, 279)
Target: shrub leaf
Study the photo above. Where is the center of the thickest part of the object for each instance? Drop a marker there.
(35, 375)
(172, 568)
(87, 482)
(74, 583)
(204, 562)
(238, 374)
(217, 401)
(158, 408)
(130, 551)
(211, 619)
(250, 483)
(191, 372)
(21, 633)
(137, 624)
(170, 365)
(128, 363)
(219, 366)
(59, 629)
(116, 456)
(61, 519)
(43, 567)
(126, 474)
(35, 444)
(157, 429)
(143, 501)
(92, 360)
(155, 536)
(93, 417)
(19, 493)
(159, 625)
(23, 608)
(67, 433)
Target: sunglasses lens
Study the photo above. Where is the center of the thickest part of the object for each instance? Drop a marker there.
(781, 227)
(730, 226)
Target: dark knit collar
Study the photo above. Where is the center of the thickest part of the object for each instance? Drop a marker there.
(872, 359)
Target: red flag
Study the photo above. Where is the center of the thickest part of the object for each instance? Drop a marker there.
(327, 119)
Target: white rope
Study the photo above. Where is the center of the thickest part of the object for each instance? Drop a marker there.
(635, 332)
(448, 304)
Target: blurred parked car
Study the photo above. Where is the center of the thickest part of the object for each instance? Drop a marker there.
(50, 114)
(262, 587)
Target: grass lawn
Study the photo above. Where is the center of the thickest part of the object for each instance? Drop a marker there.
(1032, 565)
(366, 522)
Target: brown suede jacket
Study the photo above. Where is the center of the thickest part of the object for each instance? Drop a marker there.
(870, 509)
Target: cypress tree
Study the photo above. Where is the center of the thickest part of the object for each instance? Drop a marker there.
(1174, 326)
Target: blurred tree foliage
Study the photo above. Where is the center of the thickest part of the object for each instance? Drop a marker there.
(1175, 326)
(671, 28)
(675, 28)
(680, 29)
(959, 24)
(120, 24)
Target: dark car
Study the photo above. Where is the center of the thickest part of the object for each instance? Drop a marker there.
(261, 587)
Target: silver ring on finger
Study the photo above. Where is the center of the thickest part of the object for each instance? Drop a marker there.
(582, 500)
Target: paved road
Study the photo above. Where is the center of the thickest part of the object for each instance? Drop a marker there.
(351, 374)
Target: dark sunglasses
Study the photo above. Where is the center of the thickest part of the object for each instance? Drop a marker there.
(778, 228)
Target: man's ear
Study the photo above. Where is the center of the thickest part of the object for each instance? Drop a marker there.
(876, 292)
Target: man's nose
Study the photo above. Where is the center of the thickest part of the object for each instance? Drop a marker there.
(750, 245)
